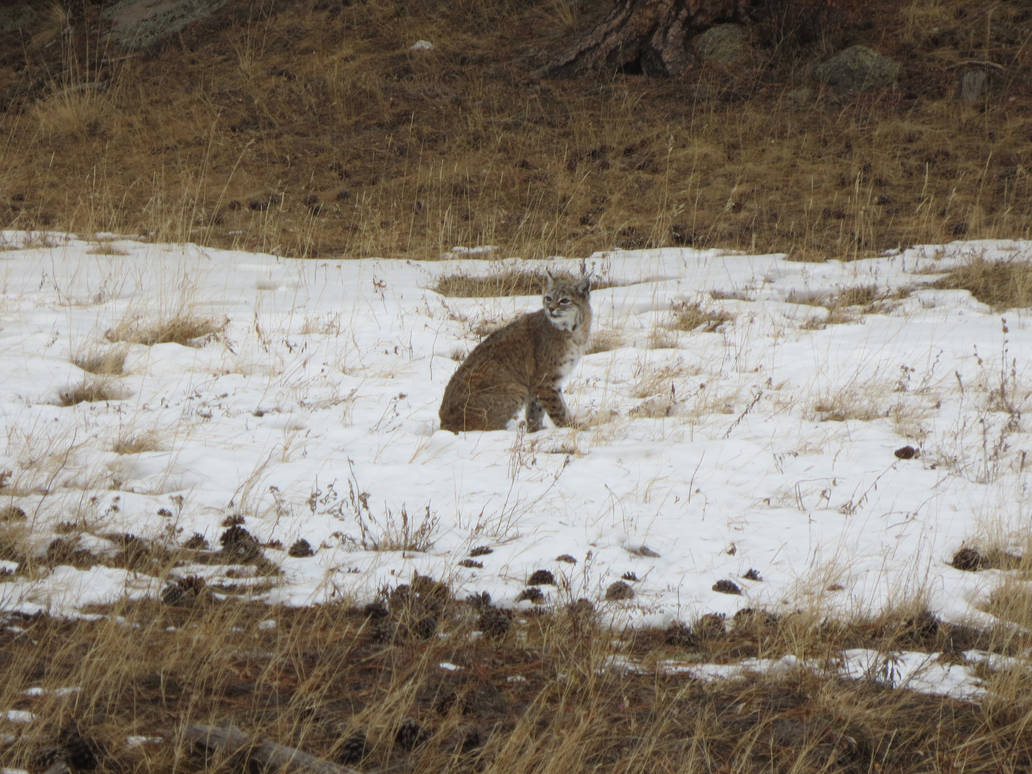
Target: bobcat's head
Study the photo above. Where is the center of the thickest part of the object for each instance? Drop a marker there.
(566, 301)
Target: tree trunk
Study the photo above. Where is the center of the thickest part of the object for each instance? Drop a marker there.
(648, 37)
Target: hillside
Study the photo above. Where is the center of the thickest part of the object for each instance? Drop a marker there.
(313, 128)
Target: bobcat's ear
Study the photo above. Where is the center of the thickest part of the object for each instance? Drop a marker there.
(584, 286)
(550, 279)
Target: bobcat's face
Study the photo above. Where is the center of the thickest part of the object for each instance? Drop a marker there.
(564, 303)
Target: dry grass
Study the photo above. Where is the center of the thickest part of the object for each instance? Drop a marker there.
(182, 328)
(90, 391)
(541, 693)
(848, 404)
(689, 316)
(352, 144)
(509, 283)
(106, 362)
(505, 283)
(1002, 285)
(136, 443)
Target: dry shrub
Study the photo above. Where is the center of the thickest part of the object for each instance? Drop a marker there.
(847, 404)
(107, 362)
(90, 391)
(507, 283)
(182, 328)
(1000, 284)
(136, 443)
(690, 316)
(859, 295)
(603, 341)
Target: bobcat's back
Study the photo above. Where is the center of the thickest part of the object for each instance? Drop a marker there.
(522, 365)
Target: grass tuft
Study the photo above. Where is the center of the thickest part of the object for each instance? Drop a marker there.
(136, 443)
(108, 362)
(89, 391)
(690, 316)
(183, 328)
(500, 284)
(1000, 284)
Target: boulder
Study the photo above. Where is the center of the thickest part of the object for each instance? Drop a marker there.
(140, 23)
(722, 44)
(857, 69)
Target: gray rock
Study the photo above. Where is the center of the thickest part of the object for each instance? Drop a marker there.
(722, 44)
(973, 84)
(857, 69)
(140, 23)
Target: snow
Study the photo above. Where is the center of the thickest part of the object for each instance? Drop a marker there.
(927, 673)
(321, 389)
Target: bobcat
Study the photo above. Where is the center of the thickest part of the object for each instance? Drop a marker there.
(522, 365)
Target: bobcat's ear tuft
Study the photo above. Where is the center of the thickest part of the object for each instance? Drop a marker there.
(550, 279)
(584, 286)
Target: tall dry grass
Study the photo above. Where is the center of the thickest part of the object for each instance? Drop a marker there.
(405, 685)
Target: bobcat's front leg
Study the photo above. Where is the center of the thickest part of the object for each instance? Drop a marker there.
(535, 411)
(551, 399)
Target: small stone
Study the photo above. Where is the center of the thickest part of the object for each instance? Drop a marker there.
(240, 545)
(711, 625)
(196, 543)
(618, 591)
(969, 559)
(680, 636)
(541, 578)
(725, 586)
(410, 734)
(645, 551)
(906, 452)
(12, 513)
(531, 594)
(493, 622)
(353, 749)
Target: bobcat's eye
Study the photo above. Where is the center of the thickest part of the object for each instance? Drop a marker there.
(548, 299)
(564, 300)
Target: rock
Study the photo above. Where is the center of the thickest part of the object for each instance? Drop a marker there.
(12, 513)
(141, 23)
(722, 44)
(726, 586)
(973, 85)
(969, 559)
(619, 591)
(531, 594)
(906, 452)
(541, 578)
(857, 69)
